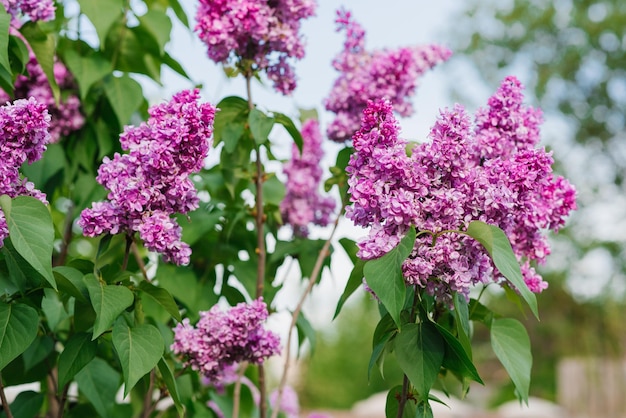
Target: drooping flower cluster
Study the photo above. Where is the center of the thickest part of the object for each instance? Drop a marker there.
(34, 9)
(23, 137)
(221, 339)
(303, 203)
(151, 182)
(490, 172)
(379, 74)
(258, 35)
(65, 116)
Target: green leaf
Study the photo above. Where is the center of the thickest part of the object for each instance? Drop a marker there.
(125, 96)
(43, 46)
(290, 127)
(37, 351)
(420, 351)
(53, 309)
(392, 405)
(103, 14)
(260, 125)
(273, 190)
(77, 353)
(31, 232)
(456, 359)
(99, 383)
(423, 410)
(179, 12)
(511, 345)
(139, 349)
(108, 301)
(162, 297)
(5, 22)
(26, 404)
(21, 274)
(87, 70)
(499, 248)
(231, 109)
(172, 387)
(384, 276)
(43, 170)
(354, 282)
(158, 25)
(384, 332)
(18, 329)
(70, 281)
(461, 317)
(306, 331)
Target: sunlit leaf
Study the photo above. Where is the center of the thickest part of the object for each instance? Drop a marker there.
(108, 301)
(499, 248)
(511, 345)
(384, 276)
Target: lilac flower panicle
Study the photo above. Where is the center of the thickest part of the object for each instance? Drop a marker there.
(303, 204)
(66, 116)
(259, 33)
(23, 137)
(222, 339)
(489, 171)
(35, 9)
(150, 183)
(381, 74)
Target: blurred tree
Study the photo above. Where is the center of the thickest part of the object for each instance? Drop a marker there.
(572, 54)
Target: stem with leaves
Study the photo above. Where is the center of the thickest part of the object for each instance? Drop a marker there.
(404, 396)
(5, 403)
(317, 268)
(260, 249)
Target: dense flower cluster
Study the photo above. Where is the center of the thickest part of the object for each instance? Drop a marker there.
(65, 115)
(381, 74)
(221, 339)
(255, 34)
(490, 172)
(303, 203)
(34, 9)
(151, 182)
(23, 137)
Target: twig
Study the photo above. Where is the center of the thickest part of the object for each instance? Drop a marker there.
(317, 268)
(5, 403)
(139, 259)
(147, 399)
(237, 390)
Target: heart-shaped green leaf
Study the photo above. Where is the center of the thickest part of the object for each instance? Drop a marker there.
(108, 301)
(139, 349)
(18, 329)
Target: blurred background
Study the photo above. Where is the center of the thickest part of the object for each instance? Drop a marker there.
(571, 55)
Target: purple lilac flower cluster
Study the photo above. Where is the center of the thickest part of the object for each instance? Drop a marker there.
(490, 171)
(221, 339)
(151, 182)
(381, 74)
(255, 34)
(23, 137)
(65, 116)
(34, 9)
(303, 203)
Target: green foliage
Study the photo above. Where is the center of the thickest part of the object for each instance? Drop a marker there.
(511, 344)
(18, 329)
